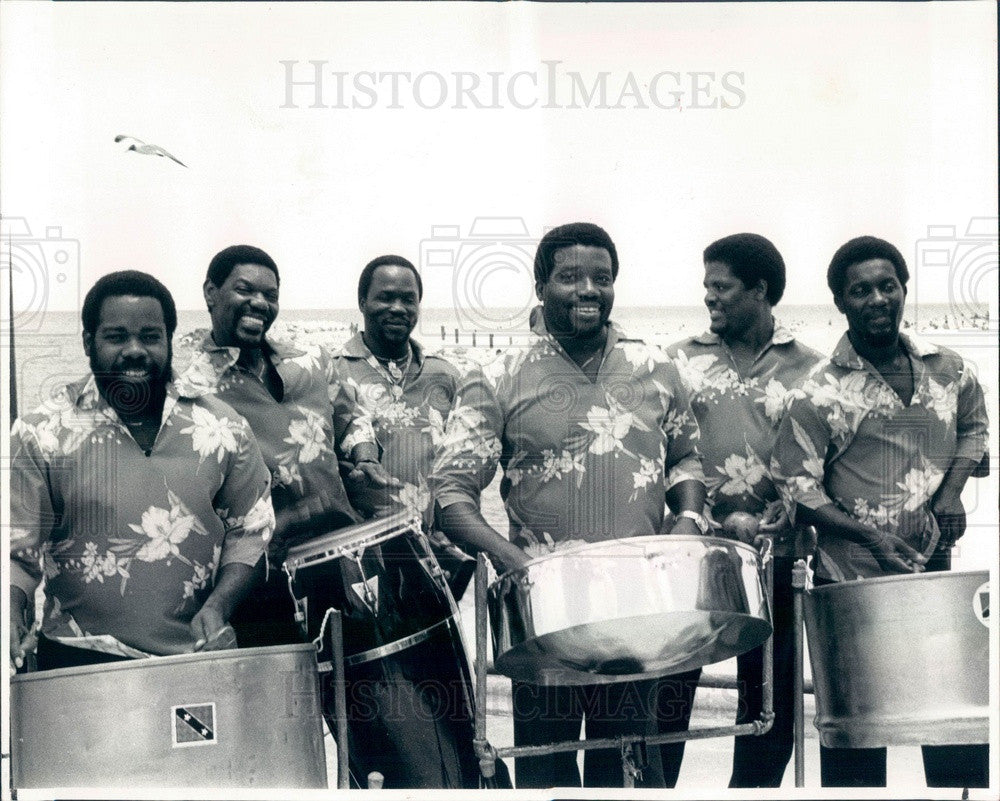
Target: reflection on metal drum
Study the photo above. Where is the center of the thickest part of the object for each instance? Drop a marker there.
(628, 609)
(900, 660)
(239, 718)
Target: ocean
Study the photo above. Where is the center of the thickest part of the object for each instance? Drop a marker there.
(50, 353)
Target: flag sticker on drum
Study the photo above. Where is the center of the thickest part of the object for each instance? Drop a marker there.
(193, 724)
(981, 603)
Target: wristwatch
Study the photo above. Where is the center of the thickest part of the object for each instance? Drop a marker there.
(699, 520)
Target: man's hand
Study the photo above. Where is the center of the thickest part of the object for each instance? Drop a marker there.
(368, 485)
(206, 624)
(685, 526)
(775, 518)
(950, 515)
(894, 555)
(512, 558)
(20, 641)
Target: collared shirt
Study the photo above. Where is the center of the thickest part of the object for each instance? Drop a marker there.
(408, 414)
(738, 414)
(583, 460)
(129, 541)
(300, 435)
(850, 441)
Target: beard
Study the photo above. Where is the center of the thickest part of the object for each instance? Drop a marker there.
(131, 397)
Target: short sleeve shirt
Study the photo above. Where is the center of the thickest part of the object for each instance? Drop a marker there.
(129, 541)
(738, 414)
(583, 460)
(849, 440)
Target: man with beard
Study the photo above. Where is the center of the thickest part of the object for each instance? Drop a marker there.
(593, 430)
(740, 374)
(143, 502)
(883, 500)
(303, 416)
(408, 393)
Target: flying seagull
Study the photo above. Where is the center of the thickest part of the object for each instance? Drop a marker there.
(148, 150)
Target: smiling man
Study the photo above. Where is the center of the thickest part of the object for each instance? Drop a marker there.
(875, 453)
(303, 416)
(426, 741)
(143, 502)
(593, 431)
(740, 374)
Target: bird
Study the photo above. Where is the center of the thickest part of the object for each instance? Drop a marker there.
(148, 150)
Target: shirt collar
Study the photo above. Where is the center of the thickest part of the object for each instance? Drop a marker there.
(275, 350)
(355, 348)
(844, 355)
(780, 336)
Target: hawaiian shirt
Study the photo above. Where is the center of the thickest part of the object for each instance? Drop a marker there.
(738, 415)
(300, 435)
(408, 415)
(129, 541)
(849, 440)
(583, 460)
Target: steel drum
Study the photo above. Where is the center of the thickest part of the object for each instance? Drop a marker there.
(628, 609)
(901, 660)
(239, 718)
(383, 577)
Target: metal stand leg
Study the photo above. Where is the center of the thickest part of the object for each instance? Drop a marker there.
(339, 697)
(484, 751)
(798, 586)
(767, 701)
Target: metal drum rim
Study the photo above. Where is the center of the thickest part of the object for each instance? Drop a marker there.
(172, 659)
(880, 580)
(576, 549)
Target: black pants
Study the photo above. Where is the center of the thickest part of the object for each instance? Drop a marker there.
(544, 715)
(761, 761)
(674, 702)
(944, 765)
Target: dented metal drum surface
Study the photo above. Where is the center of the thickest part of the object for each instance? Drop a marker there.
(901, 660)
(628, 609)
(238, 718)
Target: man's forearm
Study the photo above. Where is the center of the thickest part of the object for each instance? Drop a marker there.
(831, 519)
(231, 586)
(954, 481)
(686, 496)
(464, 521)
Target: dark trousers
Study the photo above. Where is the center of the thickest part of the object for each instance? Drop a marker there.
(544, 715)
(53, 655)
(944, 765)
(761, 761)
(266, 616)
(674, 702)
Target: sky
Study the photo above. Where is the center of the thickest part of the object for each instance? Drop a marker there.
(808, 123)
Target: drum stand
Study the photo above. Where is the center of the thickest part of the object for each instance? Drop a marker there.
(632, 747)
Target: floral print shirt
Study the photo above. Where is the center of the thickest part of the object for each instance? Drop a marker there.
(583, 460)
(301, 435)
(849, 440)
(408, 415)
(129, 541)
(739, 415)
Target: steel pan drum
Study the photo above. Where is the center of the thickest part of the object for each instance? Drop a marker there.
(240, 718)
(628, 609)
(901, 660)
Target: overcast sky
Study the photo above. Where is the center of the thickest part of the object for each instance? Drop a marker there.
(807, 123)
